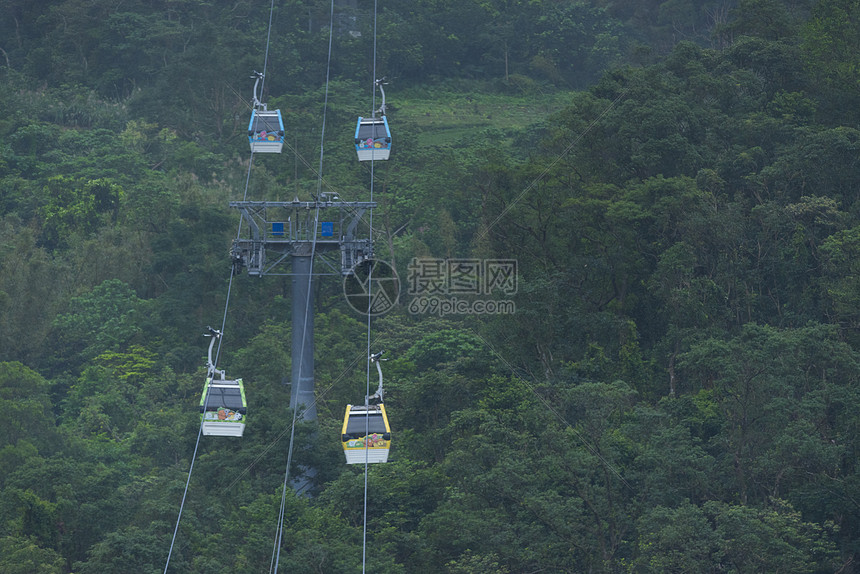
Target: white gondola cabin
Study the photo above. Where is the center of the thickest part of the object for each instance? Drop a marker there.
(366, 434)
(266, 131)
(372, 135)
(372, 139)
(223, 408)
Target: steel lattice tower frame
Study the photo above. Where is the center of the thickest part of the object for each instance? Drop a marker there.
(293, 233)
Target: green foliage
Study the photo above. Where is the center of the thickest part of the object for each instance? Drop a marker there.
(445, 347)
(710, 538)
(676, 391)
(27, 407)
(770, 539)
(765, 379)
(75, 207)
(677, 539)
(829, 42)
(20, 555)
(103, 320)
(131, 549)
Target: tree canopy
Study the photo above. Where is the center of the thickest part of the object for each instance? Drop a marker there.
(627, 338)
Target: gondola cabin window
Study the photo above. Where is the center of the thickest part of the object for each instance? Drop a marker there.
(361, 424)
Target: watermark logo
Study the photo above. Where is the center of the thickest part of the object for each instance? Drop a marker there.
(462, 286)
(372, 287)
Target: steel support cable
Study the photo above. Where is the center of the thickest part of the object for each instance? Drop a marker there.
(206, 399)
(308, 311)
(185, 492)
(248, 174)
(247, 177)
(366, 395)
(280, 529)
(266, 55)
(199, 433)
(224, 318)
(369, 307)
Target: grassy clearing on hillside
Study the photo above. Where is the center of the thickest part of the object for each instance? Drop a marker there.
(449, 117)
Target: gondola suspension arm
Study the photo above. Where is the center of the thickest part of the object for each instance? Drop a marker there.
(380, 82)
(259, 78)
(210, 365)
(376, 398)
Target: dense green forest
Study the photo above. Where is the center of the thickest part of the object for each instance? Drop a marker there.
(675, 386)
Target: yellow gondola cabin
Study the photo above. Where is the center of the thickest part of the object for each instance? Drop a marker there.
(366, 434)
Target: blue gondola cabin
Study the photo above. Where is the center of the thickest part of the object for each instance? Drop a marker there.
(223, 408)
(372, 139)
(266, 131)
(366, 434)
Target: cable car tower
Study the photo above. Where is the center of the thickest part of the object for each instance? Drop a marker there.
(293, 233)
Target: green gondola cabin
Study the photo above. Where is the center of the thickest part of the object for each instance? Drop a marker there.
(223, 408)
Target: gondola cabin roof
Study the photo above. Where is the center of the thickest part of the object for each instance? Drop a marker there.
(366, 433)
(223, 408)
(266, 131)
(372, 139)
